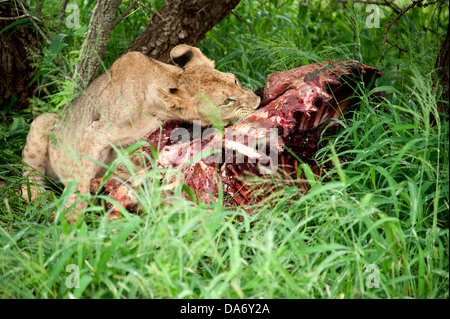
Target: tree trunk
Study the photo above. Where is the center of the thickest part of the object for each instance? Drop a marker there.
(15, 44)
(443, 73)
(94, 46)
(181, 21)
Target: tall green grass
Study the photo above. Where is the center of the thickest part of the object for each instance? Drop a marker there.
(380, 208)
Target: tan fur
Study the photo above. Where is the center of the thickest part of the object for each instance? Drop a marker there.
(121, 106)
(197, 59)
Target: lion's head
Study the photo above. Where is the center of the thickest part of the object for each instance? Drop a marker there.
(202, 87)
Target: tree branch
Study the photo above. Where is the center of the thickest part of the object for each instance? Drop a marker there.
(15, 18)
(124, 14)
(238, 16)
(153, 9)
(389, 25)
(94, 45)
(62, 10)
(45, 36)
(384, 3)
(38, 8)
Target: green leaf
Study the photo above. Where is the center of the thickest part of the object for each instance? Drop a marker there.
(9, 26)
(189, 192)
(57, 45)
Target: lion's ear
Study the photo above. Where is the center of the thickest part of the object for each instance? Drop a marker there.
(186, 56)
(173, 98)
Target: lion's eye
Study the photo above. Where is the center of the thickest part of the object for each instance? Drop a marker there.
(228, 101)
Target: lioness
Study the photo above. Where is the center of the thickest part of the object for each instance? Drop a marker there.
(136, 96)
